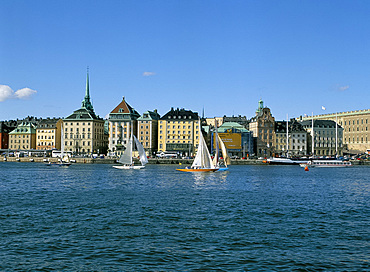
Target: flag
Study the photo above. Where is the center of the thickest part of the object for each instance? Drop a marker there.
(323, 107)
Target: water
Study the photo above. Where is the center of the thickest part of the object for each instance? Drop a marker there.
(252, 218)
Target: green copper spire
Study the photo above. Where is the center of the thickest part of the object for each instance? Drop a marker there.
(86, 102)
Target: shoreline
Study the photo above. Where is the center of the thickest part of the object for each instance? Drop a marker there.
(150, 161)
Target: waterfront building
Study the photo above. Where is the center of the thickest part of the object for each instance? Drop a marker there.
(293, 142)
(121, 121)
(5, 128)
(48, 134)
(356, 128)
(328, 137)
(84, 130)
(23, 137)
(262, 127)
(237, 139)
(178, 131)
(148, 131)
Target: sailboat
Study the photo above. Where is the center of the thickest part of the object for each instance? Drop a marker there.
(216, 159)
(126, 158)
(202, 161)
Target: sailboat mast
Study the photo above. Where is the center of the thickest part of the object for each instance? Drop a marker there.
(336, 134)
(287, 136)
(313, 140)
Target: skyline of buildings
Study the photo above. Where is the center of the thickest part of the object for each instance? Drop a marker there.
(177, 131)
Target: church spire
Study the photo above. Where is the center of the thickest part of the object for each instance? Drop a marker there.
(86, 102)
(87, 95)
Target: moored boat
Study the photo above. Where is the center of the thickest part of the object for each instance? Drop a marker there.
(326, 163)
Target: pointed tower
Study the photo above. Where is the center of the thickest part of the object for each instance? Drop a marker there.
(86, 102)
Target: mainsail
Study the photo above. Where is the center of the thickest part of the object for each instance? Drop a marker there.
(203, 158)
(142, 155)
(226, 157)
(126, 157)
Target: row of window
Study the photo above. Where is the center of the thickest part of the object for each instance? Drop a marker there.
(357, 121)
(359, 140)
(71, 143)
(46, 137)
(357, 129)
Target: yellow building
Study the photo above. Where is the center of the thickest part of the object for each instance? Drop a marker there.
(48, 134)
(23, 137)
(148, 131)
(356, 128)
(178, 132)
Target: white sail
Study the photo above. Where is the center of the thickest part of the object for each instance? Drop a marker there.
(126, 157)
(226, 157)
(203, 158)
(217, 153)
(142, 155)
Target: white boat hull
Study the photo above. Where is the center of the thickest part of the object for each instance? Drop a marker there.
(326, 164)
(128, 167)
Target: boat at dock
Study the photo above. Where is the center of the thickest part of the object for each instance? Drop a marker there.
(326, 163)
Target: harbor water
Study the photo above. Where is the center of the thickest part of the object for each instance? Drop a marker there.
(92, 217)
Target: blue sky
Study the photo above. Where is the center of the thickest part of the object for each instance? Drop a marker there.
(223, 56)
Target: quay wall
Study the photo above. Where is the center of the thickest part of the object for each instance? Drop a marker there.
(150, 161)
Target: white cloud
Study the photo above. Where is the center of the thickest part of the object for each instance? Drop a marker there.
(24, 93)
(343, 88)
(148, 74)
(7, 93)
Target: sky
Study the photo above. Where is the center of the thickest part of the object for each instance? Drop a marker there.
(222, 57)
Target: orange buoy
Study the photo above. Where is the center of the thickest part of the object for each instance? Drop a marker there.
(306, 168)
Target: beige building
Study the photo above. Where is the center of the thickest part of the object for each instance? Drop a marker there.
(121, 121)
(48, 134)
(23, 137)
(292, 142)
(356, 128)
(148, 131)
(84, 130)
(328, 137)
(178, 132)
(262, 127)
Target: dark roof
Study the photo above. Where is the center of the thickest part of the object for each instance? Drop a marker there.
(319, 124)
(180, 114)
(82, 114)
(294, 126)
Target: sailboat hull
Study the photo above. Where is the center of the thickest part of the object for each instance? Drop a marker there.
(128, 167)
(198, 170)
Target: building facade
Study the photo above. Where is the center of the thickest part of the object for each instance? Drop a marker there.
(262, 127)
(327, 138)
(292, 142)
(48, 134)
(356, 128)
(148, 131)
(237, 139)
(178, 131)
(121, 121)
(5, 128)
(23, 137)
(84, 130)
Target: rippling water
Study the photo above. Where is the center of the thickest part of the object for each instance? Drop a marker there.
(252, 218)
